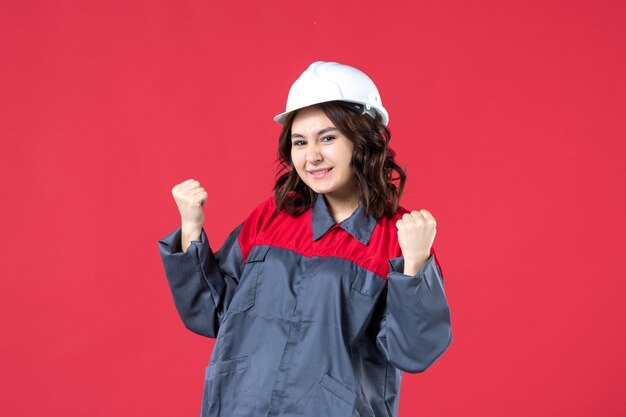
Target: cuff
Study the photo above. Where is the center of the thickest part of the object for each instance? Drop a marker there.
(396, 265)
(172, 243)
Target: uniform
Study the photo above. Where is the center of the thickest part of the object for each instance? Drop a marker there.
(312, 318)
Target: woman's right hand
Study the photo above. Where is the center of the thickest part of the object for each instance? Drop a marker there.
(190, 198)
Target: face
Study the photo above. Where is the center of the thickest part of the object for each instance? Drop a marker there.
(321, 154)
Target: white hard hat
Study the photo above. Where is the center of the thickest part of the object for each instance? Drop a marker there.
(330, 81)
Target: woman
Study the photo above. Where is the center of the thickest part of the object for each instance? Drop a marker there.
(327, 290)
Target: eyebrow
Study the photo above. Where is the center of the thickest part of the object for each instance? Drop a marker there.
(321, 132)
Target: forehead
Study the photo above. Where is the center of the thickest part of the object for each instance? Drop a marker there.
(310, 120)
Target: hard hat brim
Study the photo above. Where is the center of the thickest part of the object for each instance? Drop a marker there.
(280, 118)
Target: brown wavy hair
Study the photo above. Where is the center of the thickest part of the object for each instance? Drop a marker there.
(373, 164)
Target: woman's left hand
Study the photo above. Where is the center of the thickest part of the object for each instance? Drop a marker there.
(416, 233)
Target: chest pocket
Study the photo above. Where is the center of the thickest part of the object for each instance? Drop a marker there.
(364, 294)
(245, 295)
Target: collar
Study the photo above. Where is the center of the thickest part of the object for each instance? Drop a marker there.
(359, 224)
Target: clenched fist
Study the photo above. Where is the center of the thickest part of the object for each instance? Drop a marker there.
(416, 233)
(190, 198)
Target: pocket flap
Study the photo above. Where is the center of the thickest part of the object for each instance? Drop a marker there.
(338, 389)
(227, 366)
(257, 253)
(367, 284)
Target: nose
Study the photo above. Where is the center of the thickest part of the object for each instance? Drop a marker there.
(313, 154)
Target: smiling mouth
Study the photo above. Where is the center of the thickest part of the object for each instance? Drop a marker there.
(319, 173)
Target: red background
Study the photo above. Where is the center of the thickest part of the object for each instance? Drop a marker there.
(508, 115)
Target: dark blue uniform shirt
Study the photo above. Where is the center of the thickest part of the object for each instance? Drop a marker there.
(312, 318)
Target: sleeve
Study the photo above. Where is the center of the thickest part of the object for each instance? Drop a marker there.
(202, 282)
(415, 326)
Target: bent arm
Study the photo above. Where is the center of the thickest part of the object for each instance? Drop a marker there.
(415, 329)
(202, 282)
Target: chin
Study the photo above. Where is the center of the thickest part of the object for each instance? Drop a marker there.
(318, 190)
(323, 190)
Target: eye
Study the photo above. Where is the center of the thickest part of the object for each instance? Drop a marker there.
(328, 138)
(298, 143)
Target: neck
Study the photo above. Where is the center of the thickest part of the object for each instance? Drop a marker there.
(341, 207)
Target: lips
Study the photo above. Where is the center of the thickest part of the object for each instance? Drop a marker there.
(319, 173)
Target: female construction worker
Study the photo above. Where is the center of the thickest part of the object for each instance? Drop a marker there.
(329, 289)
